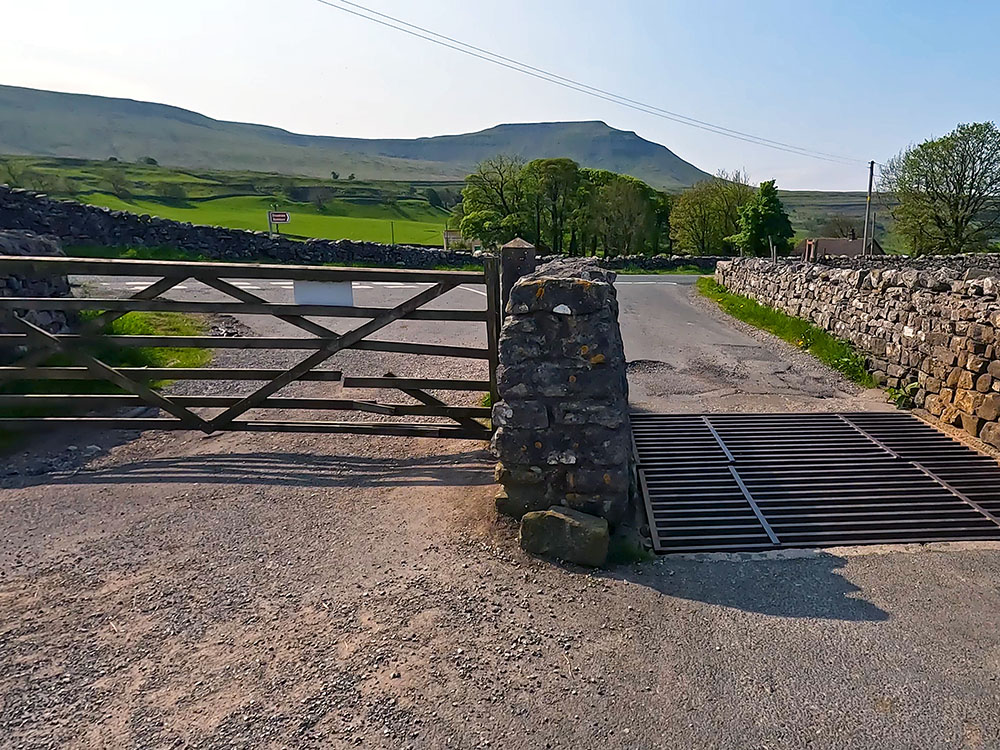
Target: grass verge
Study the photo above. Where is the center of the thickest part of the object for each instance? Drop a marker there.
(828, 349)
(134, 253)
(679, 271)
(131, 324)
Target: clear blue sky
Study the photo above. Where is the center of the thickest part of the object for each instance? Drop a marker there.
(862, 79)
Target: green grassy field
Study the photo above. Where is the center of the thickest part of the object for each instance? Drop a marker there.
(375, 211)
(406, 221)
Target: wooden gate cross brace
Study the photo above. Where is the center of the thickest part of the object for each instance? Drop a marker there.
(328, 350)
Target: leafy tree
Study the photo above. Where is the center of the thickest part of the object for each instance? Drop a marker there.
(625, 216)
(149, 160)
(660, 241)
(839, 226)
(948, 190)
(704, 217)
(334, 176)
(763, 223)
(433, 197)
(351, 177)
(493, 200)
(12, 174)
(118, 184)
(562, 208)
(730, 191)
(557, 182)
(695, 226)
(171, 191)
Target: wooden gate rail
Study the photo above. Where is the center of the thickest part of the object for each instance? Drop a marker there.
(171, 269)
(324, 342)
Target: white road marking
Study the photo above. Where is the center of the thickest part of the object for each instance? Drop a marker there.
(470, 289)
(362, 286)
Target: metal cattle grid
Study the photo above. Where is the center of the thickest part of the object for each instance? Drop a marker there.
(132, 387)
(730, 482)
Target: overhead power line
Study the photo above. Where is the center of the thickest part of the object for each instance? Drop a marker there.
(420, 32)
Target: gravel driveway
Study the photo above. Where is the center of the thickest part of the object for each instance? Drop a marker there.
(303, 591)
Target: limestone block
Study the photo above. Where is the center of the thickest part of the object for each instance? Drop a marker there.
(566, 534)
(991, 434)
(989, 408)
(972, 424)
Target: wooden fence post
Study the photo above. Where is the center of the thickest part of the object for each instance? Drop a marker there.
(494, 318)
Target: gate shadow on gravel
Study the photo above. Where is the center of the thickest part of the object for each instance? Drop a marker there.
(468, 468)
(808, 587)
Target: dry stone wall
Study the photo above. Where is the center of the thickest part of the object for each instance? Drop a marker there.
(563, 437)
(704, 263)
(20, 285)
(937, 324)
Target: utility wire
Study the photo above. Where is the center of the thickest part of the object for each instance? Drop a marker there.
(541, 74)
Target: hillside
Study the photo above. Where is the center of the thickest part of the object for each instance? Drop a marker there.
(48, 123)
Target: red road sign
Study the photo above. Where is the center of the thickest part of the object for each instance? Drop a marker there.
(278, 217)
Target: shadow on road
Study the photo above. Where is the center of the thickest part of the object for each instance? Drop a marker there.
(810, 587)
(298, 470)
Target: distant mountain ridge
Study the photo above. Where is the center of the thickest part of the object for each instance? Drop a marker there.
(49, 123)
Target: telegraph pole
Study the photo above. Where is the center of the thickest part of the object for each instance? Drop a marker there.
(868, 206)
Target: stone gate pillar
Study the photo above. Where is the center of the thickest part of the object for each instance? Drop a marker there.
(563, 439)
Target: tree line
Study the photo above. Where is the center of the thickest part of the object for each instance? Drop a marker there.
(945, 192)
(563, 208)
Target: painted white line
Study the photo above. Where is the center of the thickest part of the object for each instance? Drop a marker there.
(476, 291)
(362, 286)
(247, 286)
(282, 283)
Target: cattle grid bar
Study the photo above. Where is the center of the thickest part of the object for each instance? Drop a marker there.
(752, 482)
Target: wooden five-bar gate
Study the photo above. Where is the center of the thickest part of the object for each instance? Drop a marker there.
(36, 349)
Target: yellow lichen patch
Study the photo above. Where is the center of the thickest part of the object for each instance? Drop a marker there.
(584, 283)
(584, 349)
(571, 479)
(572, 378)
(607, 479)
(597, 359)
(540, 292)
(538, 444)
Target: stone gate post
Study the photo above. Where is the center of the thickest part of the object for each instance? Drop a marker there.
(563, 439)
